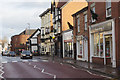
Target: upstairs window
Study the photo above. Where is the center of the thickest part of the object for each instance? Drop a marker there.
(78, 23)
(85, 21)
(93, 9)
(108, 8)
(42, 32)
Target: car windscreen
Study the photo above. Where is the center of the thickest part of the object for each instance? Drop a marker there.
(26, 52)
(12, 52)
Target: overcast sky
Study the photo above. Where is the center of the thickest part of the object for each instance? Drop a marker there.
(15, 14)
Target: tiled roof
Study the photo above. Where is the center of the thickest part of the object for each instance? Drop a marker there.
(28, 32)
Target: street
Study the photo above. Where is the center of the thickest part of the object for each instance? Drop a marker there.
(14, 67)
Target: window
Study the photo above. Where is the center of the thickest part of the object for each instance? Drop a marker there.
(78, 23)
(93, 9)
(108, 8)
(85, 21)
(98, 44)
(42, 32)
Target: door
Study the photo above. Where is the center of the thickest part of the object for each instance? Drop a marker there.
(108, 49)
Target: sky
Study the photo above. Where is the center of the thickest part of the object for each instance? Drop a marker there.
(16, 14)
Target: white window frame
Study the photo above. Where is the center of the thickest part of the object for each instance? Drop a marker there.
(93, 9)
(108, 7)
(85, 21)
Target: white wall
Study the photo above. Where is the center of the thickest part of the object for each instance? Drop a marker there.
(34, 41)
(34, 48)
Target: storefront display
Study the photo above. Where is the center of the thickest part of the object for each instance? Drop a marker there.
(102, 43)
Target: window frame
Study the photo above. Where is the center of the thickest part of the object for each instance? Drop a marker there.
(85, 22)
(78, 25)
(108, 7)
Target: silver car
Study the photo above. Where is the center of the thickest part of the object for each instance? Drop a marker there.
(26, 54)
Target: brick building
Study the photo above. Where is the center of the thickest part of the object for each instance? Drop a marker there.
(104, 33)
(18, 42)
(81, 34)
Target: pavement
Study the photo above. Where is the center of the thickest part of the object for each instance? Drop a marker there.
(107, 71)
(43, 68)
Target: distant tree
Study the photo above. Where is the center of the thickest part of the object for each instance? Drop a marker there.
(4, 41)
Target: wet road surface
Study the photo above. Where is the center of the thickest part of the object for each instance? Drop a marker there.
(14, 67)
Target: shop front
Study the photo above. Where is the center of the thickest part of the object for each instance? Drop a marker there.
(102, 43)
(82, 48)
(68, 44)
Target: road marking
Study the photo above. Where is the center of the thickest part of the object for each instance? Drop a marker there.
(24, 60)
(35, 60)
(1, 70)
(4, 62)
(42, 70)
(97, 74)
(29, 63)
(14, 61)
(45, 60)
(73, 67)
(61, 63)
(34, 66)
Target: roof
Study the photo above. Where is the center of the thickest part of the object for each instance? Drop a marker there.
(34, 33)
(28, 32)
(60, 4)
(45, 12)
(82, 10)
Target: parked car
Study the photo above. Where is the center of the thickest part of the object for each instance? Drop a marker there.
(26, 54)
(12, 53)
(4, 53)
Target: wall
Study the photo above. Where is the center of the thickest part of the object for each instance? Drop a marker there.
(101, 11)
(68, 10)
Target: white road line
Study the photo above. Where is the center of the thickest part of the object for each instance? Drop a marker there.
(42, 70)
(34, 66)
(4, 62)
(24, 60)
(35, 60)
(1, 70)
(73, 67)
(97, 74)
(45, 60)
(14, 61)
(61, 63)
(29, 63)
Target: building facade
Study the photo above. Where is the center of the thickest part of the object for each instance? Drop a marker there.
(34, 46)
(18, 42)
(57, 26)
(81, 34)
(68, 9)
(104, 33)
(0, 46)
(46, 31)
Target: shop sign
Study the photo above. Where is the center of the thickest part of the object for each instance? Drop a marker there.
(68, 35)
(101, 28)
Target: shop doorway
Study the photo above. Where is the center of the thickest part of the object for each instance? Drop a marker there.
(108, 49)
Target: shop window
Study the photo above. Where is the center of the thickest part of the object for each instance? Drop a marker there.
(108, 8)
(98, 44)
